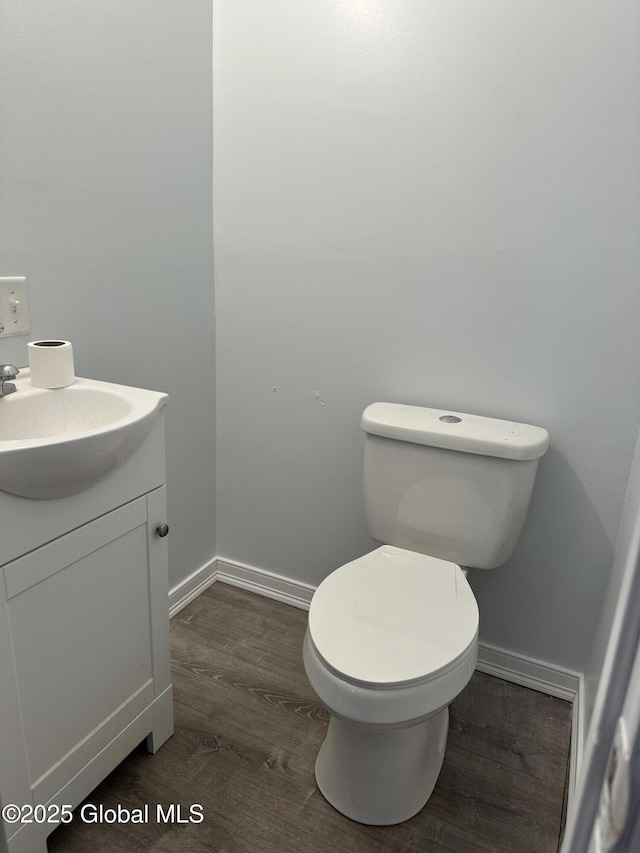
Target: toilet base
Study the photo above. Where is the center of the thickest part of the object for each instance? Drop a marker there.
(381, 775)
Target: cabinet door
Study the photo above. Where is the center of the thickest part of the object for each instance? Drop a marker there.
(87, 620)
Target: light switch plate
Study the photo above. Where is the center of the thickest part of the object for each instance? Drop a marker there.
(14, 307)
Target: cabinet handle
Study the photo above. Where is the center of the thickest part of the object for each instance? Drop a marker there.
(162, 530)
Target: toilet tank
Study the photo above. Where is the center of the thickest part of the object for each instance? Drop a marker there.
(448, 484)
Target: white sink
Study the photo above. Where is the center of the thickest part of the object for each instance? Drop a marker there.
(55, 443)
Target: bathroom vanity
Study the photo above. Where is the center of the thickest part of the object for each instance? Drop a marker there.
(84, 651)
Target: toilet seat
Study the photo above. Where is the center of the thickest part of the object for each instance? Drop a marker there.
(393, 618)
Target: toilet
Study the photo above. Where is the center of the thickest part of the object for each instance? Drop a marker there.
(392, 636)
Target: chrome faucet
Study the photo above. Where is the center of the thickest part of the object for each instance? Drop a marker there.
(7, 371)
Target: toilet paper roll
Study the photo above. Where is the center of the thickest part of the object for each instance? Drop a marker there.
(51, 363)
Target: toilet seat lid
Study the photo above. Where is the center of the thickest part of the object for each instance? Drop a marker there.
(392, 617)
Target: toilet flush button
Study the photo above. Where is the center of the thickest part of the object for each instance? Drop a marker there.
(450, 419)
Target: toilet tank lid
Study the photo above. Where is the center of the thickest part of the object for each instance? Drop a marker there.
(455, 431)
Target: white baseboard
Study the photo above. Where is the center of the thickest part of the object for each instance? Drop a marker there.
(528, 672)
(265, 583)
(510, 666)
(190, 588)
(247, 577)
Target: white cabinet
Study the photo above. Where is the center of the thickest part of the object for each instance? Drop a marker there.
(84, 658)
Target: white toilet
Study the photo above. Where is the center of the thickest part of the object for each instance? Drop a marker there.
(393, 636)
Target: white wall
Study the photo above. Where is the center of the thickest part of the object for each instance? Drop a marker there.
(105, 206)
(430, 203)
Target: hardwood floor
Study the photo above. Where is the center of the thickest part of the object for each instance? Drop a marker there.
(247, 730)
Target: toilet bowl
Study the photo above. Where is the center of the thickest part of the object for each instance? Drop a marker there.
(393, 636)
(392, 639)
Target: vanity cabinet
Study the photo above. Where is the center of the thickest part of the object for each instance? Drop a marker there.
(84, 645)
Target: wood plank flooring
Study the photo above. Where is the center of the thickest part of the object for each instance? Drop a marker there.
(248, 728)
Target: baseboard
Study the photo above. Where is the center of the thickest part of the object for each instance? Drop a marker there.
(528, 672)
(190, 588)
(260, 581)
(510, 666)
(265, 583)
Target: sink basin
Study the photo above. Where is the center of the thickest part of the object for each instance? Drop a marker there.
(58, 442)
